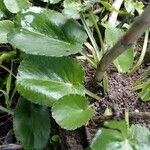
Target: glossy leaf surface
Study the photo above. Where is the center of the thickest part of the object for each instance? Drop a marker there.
(31, 125)
(118, 137)
(44, 80)
(15, 6)
(5, 27)
(47, 32)
(71, 111)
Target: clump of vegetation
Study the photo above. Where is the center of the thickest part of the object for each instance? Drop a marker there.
(48, 44)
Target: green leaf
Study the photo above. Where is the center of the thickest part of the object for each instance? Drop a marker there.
(129, 6)
(125, 61)
(112, 35)
(72, 8)
(5, 27)
(47, 32)
(139, 7)
(109, 7)
(118, 125)
(44, 80)
(139, 137)
(15, 6)
(113, 137)
(31, 125)
(145, 93)
(72, 111)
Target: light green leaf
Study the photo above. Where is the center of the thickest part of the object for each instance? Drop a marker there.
(129, 6)
(72, 111)
(44, 80)
(108, 112)
(31, 125)
(139, 6)
(5, 27)
(145, 93)
(139, 137)
(72, 8)
(125, 61)
(109, 7)
(47, 32)
(112, 35)
(113, 137)
(15, 6)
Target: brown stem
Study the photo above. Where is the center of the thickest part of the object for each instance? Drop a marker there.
(136, 30)
(133, 115)
(138, 115)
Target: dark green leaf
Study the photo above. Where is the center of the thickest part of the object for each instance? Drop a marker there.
(47, 32)
(31, 125)
(72, 111)
(44, 80)
(15, 6)
(113, 137)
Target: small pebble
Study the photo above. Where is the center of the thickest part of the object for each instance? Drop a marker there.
(136, 110)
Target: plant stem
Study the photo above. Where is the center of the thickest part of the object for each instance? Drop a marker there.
(136, 115)
(6, 110)
(92, 95)
(140, 86)
(127, 118)
(7, 55)
(142, 77)
(90, 47)
(139, 62)
(137, 29)
(8, 70)
(89, 59)
(105, 83)
(96, 54)
(98, 32)
(47, 5)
